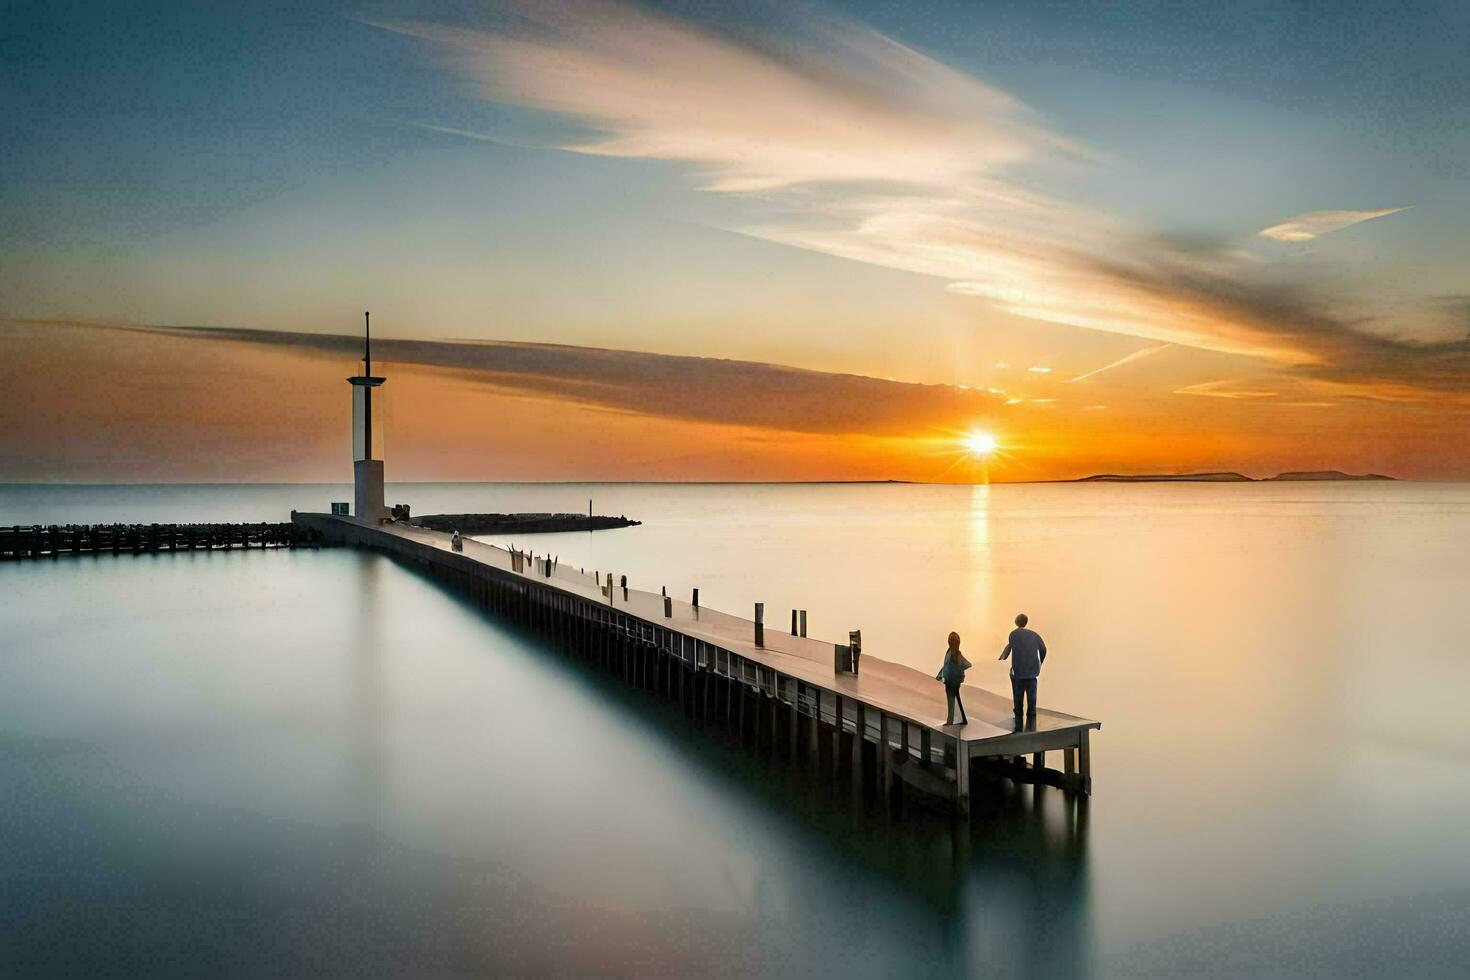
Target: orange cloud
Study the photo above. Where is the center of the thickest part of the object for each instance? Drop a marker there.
(101, 404)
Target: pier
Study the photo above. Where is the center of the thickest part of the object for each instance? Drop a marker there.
(53, 540)
(875, 723)
(878, 724)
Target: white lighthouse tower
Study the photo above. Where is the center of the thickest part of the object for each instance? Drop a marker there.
(367, 471)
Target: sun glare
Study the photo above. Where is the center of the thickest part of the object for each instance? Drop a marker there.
(981, 443)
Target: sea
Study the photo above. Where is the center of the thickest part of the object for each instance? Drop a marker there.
(320, 762)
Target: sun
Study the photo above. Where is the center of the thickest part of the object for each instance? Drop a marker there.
(980, 443)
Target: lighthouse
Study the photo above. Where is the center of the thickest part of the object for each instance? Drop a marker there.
(367, 471)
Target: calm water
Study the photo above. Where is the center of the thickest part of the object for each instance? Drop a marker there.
(311, 762)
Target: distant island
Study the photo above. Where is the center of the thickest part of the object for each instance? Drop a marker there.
(1294, 476)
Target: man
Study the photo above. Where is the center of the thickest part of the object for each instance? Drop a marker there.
(1029, 654)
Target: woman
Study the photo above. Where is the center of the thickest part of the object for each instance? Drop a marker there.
(953, 675)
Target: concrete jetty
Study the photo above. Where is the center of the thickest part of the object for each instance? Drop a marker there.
(879, 723)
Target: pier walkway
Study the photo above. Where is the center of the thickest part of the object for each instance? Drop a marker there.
(885, 723)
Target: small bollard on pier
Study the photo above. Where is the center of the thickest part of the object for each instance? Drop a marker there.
(760, 624)
(845, 657)
(668, 607)
(696, 599)
(803, 623)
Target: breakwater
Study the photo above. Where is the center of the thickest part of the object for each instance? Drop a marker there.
(519, 523)
(55, 540)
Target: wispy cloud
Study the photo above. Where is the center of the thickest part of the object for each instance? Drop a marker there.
(1225, 388)
(1313, 224)
(1137, 355)
(873, 151)
(832, 102)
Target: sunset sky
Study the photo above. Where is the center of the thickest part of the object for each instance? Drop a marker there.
(735, 241)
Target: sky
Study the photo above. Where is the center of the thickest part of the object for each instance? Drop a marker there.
(735, 241)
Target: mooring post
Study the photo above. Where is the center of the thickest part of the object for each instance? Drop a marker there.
(668, 607)
(803, 622)
(624, 583)
(760, 624)
(793, 622)
(696, 599)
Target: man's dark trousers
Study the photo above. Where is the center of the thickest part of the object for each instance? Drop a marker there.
(1023, 688)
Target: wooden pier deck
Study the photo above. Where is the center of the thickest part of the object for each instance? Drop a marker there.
(884, 724)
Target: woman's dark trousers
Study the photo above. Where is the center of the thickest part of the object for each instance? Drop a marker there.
(952, 697)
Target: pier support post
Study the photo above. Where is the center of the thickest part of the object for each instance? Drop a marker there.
(740, 715)
(962, 777)
(778, 715)
(814, 741)
(885, 764)
(859, 736)
(837, 736)
(793, 732)
(1084, 764)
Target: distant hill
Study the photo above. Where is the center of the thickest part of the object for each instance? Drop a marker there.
(1168, 478)
(1302, 476)
(1328, 475)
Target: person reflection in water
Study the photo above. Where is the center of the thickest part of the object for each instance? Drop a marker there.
(952, 673)
(1027, 652)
